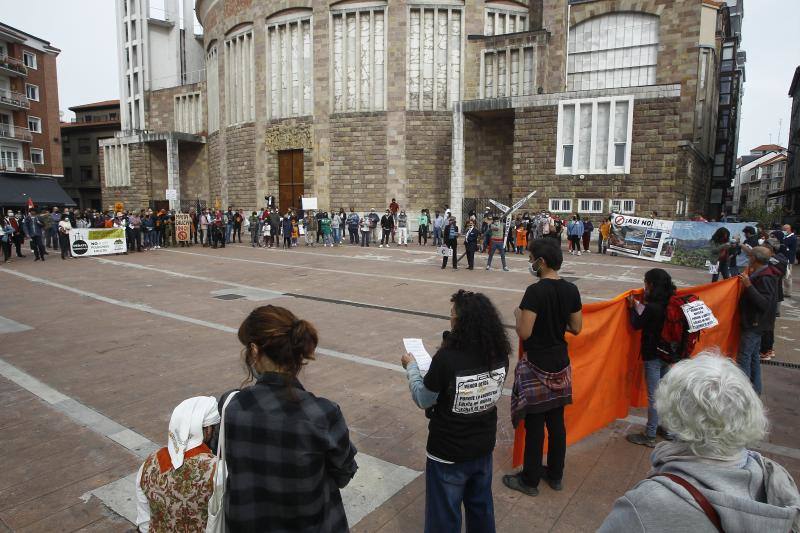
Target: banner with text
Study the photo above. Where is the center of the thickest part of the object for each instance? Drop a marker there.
(86, 242)
(679, 242)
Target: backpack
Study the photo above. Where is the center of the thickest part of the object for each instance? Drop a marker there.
(676, 342)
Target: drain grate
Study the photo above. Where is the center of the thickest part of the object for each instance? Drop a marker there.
(781, 363)
(229, 297)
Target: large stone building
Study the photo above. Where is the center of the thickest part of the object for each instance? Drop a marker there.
(792, 184)
(599, 105)
(79, 147)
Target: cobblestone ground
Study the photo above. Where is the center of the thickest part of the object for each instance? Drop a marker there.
(95, 352)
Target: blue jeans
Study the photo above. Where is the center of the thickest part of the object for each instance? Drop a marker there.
(654, 370)
(336, 236)
(228, 232)
(749, 357)
(448, 486)
(497, 246)
(437, 236)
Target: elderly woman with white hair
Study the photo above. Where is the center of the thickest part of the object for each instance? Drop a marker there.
(707, 480)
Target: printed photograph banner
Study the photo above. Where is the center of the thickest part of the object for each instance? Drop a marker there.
(679, 242)
(85, 242)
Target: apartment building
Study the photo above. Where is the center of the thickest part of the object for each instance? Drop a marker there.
(80, 149)
(599, 105)
(760, 179)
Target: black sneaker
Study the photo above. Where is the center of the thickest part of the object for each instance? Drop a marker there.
(664, 433)
(555, 484)
(514, 482)
(642, 440)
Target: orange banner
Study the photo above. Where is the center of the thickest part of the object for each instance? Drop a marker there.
(607, 370)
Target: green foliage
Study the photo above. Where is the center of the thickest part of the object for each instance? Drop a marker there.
(765, 217)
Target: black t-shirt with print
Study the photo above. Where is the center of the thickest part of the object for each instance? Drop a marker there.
(553, 301)
(463, 423)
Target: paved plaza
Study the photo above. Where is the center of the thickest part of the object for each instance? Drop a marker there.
(96, 352)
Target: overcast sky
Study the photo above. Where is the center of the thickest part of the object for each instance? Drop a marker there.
(85, 32)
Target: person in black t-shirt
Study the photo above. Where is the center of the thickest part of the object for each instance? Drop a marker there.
(459, 394)
(543, 377)
(649, 317)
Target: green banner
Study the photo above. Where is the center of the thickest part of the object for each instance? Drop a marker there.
(113, 233)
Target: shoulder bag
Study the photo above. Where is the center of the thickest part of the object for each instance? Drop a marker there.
(216, 504)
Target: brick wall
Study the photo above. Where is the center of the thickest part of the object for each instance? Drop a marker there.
(428, 159)
(358, 160)
(489, 157)
(214, 155)
(138, 194)
(193, 173)
(240, 163)
(656, 180)
(45, 77)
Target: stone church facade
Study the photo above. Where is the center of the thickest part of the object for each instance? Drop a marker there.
(598, 105)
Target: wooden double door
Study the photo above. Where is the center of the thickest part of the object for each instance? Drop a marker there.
(290, 179)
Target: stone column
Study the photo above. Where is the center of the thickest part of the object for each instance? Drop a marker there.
(457, 164)
(173, 172)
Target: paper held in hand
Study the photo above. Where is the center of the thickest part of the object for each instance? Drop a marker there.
(699, 316)
(421, 355)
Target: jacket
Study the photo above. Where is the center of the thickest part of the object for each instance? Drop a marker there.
(750, 494)
(471, 240)
(790, 242)
(353, 219)
(575, 228)
(311, 223)
(402, 220)
(651, 322)
(450, 233)
(759, 302)
(387, 222)
(32, 226)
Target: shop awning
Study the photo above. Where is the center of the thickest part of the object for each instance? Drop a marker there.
(45, 192)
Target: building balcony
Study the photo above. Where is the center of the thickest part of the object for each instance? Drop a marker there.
(17, 165)
(12, 65)
(12, 100)
(16, 133)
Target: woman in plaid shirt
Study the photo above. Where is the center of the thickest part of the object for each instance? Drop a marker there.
(288, 452)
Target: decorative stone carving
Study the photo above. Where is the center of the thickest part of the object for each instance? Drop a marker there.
(289, 137)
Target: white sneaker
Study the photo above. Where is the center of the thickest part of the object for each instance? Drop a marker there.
(572, 252)
(387, 245)
(579, 254)
(488, 267)
(381, 246)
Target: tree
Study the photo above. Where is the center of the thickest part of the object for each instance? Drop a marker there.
(765, 217)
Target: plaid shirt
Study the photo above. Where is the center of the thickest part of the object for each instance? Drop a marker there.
(288, 453)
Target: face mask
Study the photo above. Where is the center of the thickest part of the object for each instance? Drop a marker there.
(535, 269)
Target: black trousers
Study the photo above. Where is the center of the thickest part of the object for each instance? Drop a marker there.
(237, 231)
(37, 245)
(19, 238)
(136, 239)
(386, 234)
(63, 243)
(6, 249)
(767, 341)
(453, 245)
(423, 235)
(471, 258)
(532, 471)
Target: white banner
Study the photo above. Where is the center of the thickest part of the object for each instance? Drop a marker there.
(309, 203)
(647, 238)
(84, 242)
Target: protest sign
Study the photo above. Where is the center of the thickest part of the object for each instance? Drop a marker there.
(309, 203)
(183, 226)
(95, 241)
(444, 251)
(699, 316)
(479, 392)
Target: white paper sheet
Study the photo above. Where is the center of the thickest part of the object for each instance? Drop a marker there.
(417, 349)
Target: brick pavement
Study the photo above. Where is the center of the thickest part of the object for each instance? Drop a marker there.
(113, 343)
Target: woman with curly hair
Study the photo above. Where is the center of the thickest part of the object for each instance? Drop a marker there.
(459, 393)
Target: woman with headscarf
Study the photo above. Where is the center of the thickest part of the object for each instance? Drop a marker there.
(707, 480)
(174, 484)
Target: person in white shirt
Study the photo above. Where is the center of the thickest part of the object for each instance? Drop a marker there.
(64, 227)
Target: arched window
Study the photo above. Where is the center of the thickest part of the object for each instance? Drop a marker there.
(290, 64)
(614, 50)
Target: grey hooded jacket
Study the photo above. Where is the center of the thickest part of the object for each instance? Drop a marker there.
(756, 496)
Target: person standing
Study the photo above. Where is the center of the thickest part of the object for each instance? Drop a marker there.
(588, 228)
(438, 226)
(255, 230)
(353, 221)
(374, 221)
(6, 236)
(288, 452)
(64, 227)
(422, 228)
(522, 238)
(758, 306)
(574, 233)
(311, 228)
(648, 317)
(463, 422)
(790, 242)
(394, 208)
(719, 247)
(227, 219)
(238, 220)
(34, 229)
(451, 241)
(365, 230)
(325, 229)
(543, 377)
(336, 226)
(174, 484)
(286, 231)
(135, 224)
(387, 228)
(605, 233)
(402, 228)
(497, 242)
(18, 237)
(471, 244)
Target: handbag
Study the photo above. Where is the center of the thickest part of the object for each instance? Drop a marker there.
(701, 500)
(216, 503)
